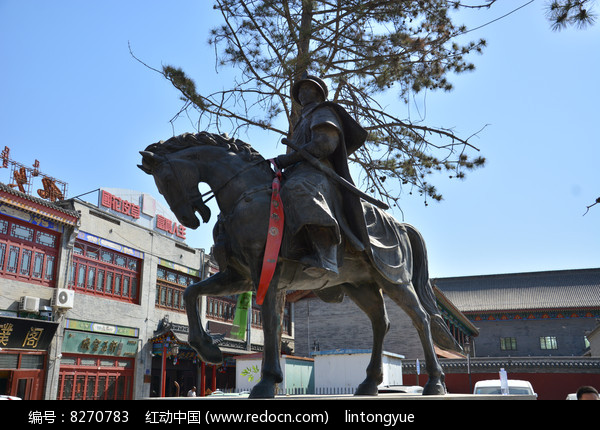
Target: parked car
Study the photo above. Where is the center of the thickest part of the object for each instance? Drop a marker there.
(410, 389)
(493, 386)
(6, 397)
(219, 393)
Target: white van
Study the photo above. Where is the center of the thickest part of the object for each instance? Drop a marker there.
(515, 386)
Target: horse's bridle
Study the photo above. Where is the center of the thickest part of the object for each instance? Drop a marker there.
(215, 191)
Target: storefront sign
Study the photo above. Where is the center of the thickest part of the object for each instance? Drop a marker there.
(78, 342)
(142, 209)
(22, 178)
(178, 267)
(108, 244)
(101, 328)
(23, 333)
(119, 205)
(168, 226)
(8, 210)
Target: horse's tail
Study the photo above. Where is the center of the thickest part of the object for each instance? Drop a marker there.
(422, 284)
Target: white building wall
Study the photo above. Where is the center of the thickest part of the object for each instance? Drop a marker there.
(341, 371)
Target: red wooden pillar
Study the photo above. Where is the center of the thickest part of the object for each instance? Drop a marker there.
(202, 379)
(214, 379)
(163, 377)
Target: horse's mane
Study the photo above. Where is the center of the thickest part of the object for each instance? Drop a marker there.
(189, 140)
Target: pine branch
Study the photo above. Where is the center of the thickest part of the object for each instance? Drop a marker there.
(363, 48)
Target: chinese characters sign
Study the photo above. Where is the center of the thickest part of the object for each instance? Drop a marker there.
(169, 226)
(118, 204)
(141, 209)
(22, 178)
(99, 344)
(25, 333)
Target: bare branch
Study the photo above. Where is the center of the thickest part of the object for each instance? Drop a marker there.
(362, 48)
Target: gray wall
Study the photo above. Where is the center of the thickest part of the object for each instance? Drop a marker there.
(569, 333)
(345, 326)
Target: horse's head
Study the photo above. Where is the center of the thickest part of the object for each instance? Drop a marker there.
(229, 166)
(177, 180)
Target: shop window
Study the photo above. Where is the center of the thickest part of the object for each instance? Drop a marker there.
(170, 286)
(27, 252)
(32, 361)
(104, 272)
(9, 361)
(92, 378)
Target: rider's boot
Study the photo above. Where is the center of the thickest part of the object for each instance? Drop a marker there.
(324, 259)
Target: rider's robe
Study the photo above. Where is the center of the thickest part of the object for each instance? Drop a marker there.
(310, 197)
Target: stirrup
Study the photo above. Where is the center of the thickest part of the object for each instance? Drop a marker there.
(317, 268)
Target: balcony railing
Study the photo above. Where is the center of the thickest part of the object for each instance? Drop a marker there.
(223, 309)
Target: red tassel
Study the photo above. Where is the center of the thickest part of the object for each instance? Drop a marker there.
(274, 237)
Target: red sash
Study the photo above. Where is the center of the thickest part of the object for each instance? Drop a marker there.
(274, 237)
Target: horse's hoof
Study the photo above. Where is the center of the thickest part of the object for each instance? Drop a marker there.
(262, 391)
(433, 388)
(366, 388)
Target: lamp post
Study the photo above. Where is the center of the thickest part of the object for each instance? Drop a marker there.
(467, 346)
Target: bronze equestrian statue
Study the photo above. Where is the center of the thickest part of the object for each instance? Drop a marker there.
(337, 241)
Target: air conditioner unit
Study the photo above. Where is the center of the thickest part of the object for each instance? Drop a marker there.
(29, 304)
(63, 298)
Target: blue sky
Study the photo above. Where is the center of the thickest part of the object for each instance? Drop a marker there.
(72, 97)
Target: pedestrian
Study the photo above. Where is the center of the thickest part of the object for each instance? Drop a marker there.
(587, 393)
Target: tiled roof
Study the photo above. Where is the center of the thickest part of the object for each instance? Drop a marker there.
(37, 201)
(565, 289)
(53, 211)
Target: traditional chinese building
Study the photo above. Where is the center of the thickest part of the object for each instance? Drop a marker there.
(537, 326)
(91, 303)
(33, 234)
(528, 314)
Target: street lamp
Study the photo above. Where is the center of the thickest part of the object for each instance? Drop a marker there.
(467, 346)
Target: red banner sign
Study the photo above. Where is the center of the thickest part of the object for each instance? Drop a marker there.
(169, 226)
(120, 205)
(22, 178)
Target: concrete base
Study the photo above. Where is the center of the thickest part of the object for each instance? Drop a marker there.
(404, 396)
(350, 397)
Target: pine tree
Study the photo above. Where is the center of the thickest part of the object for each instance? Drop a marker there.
(364, 49)
(565, 13)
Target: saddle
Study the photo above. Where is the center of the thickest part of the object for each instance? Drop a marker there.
(389, 245)
(388, 248)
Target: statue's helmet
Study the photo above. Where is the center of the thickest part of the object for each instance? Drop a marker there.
(318, 82)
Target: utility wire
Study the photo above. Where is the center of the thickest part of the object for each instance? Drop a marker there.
(499, 18)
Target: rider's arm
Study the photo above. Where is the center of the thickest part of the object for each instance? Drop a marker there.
(325, 137)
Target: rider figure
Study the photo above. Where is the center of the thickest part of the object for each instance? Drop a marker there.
(314, 205)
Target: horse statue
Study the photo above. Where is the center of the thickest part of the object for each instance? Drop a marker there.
(241, 180)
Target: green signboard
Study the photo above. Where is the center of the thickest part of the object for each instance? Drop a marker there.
(99, 344)
(101, 328)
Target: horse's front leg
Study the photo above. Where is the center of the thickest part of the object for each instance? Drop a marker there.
(272, 311)
(221, 284)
